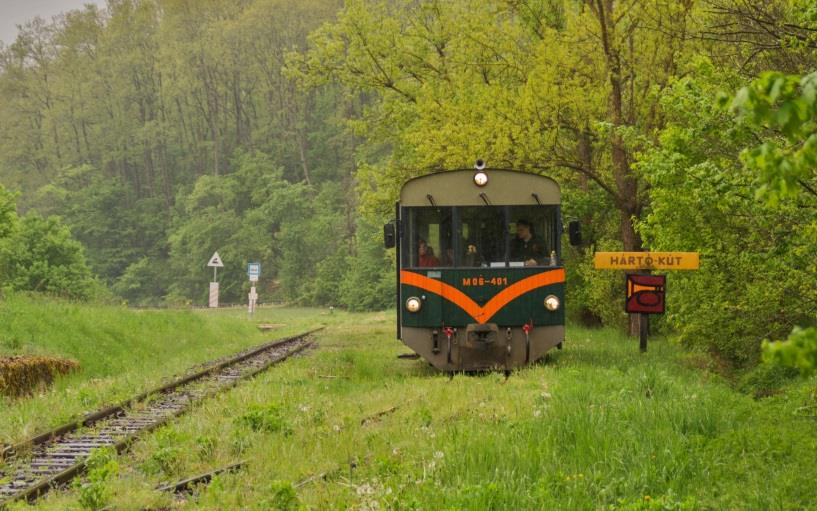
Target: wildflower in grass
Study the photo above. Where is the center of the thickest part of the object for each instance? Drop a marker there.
(364, 489)
(303, 408)
(336, 428)
(439, 455)
(537, 413)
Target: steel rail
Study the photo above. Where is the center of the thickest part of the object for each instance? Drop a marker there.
(70, 448)
(187, 485)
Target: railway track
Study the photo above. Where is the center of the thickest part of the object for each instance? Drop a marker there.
(51, 459)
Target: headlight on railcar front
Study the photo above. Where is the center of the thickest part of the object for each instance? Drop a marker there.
(552, 303)
(413, 304)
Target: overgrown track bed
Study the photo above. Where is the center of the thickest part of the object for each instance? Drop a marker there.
(55, 457)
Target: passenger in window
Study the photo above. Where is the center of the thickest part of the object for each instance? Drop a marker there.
(426, 254)
(472, 257)
(526, 246)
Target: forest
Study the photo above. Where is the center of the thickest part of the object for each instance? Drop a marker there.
(139, 138)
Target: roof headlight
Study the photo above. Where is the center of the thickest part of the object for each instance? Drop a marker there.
(413, 304)
(480, 178)
(552, 303)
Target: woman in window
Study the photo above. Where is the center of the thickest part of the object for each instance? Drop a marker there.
(426, 254)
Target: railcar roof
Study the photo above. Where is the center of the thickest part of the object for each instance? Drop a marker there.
(457, 188)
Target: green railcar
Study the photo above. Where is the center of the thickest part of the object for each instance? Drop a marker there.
(480, 284)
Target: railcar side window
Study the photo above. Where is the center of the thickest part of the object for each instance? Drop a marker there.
(427, 237)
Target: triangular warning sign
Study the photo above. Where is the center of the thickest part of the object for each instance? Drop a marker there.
(216, 261)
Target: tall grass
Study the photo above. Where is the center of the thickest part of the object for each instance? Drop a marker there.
(120, 351)
(598, 426)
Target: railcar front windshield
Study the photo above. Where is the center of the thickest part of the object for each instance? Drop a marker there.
(479, 236)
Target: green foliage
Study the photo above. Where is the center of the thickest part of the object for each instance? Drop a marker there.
(8, 212)
(102, 467)
(166, 458)
(370, 281)
(785, 107)
(160, 134)
(239, 215)
(40, 255)
(282, 497)
(660, 503)
(798, 351)
(115, 227)
(756, 277)
(766, 380)
(266, 418)
(313, 246)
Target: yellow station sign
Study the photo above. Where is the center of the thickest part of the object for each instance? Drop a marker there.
(647, 260)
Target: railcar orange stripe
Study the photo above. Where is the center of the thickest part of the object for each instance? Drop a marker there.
(445, 290)
(517, 289)
(485, 313)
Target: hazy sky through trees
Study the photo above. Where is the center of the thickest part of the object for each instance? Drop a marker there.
(17, 12)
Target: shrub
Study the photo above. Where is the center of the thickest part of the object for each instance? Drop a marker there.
(40, 255)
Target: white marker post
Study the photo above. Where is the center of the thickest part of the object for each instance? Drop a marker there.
(253, 272)
(215, 263)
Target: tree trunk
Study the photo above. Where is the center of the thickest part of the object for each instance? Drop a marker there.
(626, 183)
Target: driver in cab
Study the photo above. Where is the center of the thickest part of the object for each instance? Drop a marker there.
(526, 246)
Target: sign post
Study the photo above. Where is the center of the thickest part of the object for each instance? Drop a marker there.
(645, 295)
(645, 292)
(215, 263)
(253, 272)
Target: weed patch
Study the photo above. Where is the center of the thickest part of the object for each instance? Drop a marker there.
(266, 418)
(95, 492)
(23, 375)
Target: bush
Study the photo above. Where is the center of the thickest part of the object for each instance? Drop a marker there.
(8, 212)
(369, 283)
(40, 255)
(757, 270)
(799, 351)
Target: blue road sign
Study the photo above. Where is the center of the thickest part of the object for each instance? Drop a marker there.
(254, 269)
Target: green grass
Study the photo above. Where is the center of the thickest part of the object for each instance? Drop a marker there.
(599, 426)
(121, 351)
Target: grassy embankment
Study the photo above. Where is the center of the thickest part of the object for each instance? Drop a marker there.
(121, 352)
(600, 426)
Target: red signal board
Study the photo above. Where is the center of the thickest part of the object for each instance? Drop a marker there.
(645, 293)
